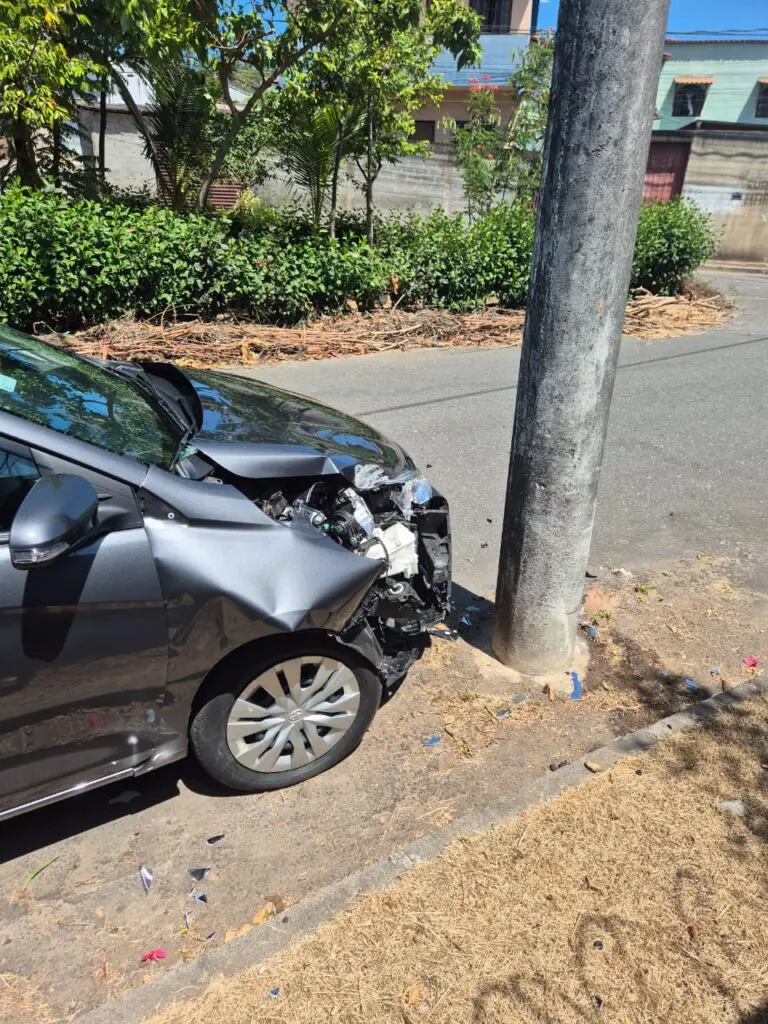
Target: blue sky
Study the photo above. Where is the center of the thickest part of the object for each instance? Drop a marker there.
(688, 16)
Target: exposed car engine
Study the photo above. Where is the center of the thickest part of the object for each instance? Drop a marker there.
(400, 521)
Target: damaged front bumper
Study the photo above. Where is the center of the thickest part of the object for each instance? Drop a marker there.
(414, 593)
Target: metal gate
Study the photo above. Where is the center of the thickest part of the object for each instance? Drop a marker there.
(665, 170)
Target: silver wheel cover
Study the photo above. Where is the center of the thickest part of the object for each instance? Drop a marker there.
(292, 714)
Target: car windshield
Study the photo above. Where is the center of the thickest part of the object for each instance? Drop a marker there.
(58, 390)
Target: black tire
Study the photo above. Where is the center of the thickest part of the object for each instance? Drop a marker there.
(208, 727)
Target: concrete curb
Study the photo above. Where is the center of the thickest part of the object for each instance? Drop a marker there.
(188, 980)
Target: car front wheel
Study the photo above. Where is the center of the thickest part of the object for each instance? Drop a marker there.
(276, 720)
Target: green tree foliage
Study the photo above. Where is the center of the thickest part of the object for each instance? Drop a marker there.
(37, 72)
(178, 128)
(498, 160)
(373, 79)
(310, 143)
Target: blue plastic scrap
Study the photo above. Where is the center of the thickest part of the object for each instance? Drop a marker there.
(691, 684)
(576, 691)
(664, 675)
(465, 620)
(431, 741)
(714, 671)
(591, 631)
(274, 992)
(472, 608)
(504, 713)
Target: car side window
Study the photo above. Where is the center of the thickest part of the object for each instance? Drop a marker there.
(17, 474)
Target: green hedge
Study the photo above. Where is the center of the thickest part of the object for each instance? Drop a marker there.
(73, 262)
(673, 239)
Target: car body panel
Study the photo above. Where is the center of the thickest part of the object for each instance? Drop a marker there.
(85, 653)
(249, 412)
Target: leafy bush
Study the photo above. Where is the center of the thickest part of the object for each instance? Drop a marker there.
(72, 262)
(673, 239)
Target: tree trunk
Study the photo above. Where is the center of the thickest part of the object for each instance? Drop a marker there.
(218, 162)
(26, 161)
(335, 180)
(102, 155)
(369, 175)
(57, 148)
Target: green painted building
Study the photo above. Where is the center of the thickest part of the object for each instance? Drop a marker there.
(717, 82)
(710, 139)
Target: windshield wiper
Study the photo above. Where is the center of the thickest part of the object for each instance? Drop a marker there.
(170, 411)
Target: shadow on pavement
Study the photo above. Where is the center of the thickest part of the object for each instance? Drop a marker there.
(77, 815)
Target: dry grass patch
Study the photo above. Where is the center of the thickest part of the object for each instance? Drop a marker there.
(632, 898)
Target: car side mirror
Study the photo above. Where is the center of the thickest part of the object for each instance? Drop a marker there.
(57, 513)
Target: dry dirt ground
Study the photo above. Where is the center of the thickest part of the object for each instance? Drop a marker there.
(73, 935)
(638, 897)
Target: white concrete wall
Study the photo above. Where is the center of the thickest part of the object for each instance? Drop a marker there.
(127, 166)
(418, 183)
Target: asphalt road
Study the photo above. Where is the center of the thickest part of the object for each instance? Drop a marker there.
(685, 463)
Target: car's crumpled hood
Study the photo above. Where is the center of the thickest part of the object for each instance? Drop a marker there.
(255, 430)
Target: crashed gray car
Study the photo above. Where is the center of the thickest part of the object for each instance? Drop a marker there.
(195, 559)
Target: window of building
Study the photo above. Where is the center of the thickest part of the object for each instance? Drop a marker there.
(425, 131)
(496, 14)
(761, 107)
(689, 97)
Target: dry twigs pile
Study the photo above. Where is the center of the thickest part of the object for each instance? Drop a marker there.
(222, 343)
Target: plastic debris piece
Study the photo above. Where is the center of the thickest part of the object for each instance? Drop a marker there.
(147, 876)
(472, 608)
(274, 992)
(556, 765)
(664, 675)
(521, 698)
(591, 631)
(199, 897)
(735, 807)
(714, 671)
(198, 873)
(214, 839)
(598, 944)
(444, 633)
(503, 714)
(124, 798)
(594, 767)
(154, 955)
(751, 661)
(465, 620)
(691, 684)
(577, 688)
(431, 741)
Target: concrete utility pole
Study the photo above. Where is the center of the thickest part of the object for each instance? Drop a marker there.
(606, 69)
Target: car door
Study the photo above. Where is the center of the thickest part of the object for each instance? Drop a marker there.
(83, 644)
